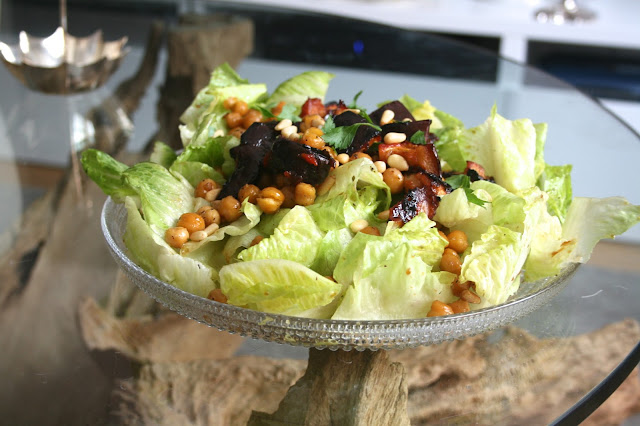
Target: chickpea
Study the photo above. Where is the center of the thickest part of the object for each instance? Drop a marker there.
(439, 308)
(217, 295)
(460, 306)
(230, 209)
(229, 102)
(204, 186)
(470, 296)
(192, 222)
(289, 196)
(458, 241)
(237, 132)
(240, 107)
(203, 209)
(256, 240)
(304, 194)
(357, 155)
(450, 261)
(312, 139)
(211, 216)
(176, 237)
(270, 199)
(371, 230)
(457, 287)
(276, 110)
(248, 191)
(394, 180)
(233, 119)
(251, 117)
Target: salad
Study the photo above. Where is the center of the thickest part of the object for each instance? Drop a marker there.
(286, 203)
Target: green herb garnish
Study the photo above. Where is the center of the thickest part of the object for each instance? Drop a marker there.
(463, 181)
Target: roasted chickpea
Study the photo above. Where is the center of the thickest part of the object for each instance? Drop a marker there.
(192, 222)
(450, 261)
(458, 241)
(237, 132)
(204, 186)
(371, 230)
(270, 199)
(394, 180)
(251, 117)
(443, 235)
(233, 119)
(217, 295)
(289, 193)
(470, 296)
(460, 306)
(240, 107)
(276, 110)
(229, 209)
(312, 139)
(305, 194)
(248, 191)
(229, 102)
(457, 287)
(357, 155)
(211, 216)
(203, 209)
(176, 237)
(439, 308)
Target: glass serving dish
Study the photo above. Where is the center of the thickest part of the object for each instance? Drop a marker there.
(332, 334)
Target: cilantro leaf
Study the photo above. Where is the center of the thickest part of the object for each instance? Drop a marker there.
(354, 102)
(329, 125)
(341, 137)
(288, 111)
(463, 181)
(418, 138)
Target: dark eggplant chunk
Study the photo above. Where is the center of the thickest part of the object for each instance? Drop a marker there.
(364, 138)
(255, 143)
(409, 128)
(418, 200)
(300, 162)
(348, 118)
(400, 112)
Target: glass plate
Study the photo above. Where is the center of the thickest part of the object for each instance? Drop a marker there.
(332, 334)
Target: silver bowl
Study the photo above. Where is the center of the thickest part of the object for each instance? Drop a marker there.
(331, 334)
(62, 63)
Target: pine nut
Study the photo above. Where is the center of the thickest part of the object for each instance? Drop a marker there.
(384, 215)
(387, 117)
(289, 130)
(211, 229)
(398, 162)
(358, 225)
(283, 124)
(393, 137)
(343, 158)
(212, 194)
(198, 236)
(381, 166)
(218, 133)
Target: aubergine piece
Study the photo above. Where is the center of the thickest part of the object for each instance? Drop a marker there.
(400, 112)
(255, 144)
(409, 128)
(364, 138)
(348, 118)
(300, 162)
(421, 157)
(418, 200)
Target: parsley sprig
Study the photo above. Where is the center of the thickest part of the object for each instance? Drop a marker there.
(463, 181)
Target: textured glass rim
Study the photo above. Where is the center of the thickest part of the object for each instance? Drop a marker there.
(332, 334)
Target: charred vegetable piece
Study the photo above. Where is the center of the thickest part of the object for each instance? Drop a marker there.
(409, 128)
(313, 106)
(364, 138)
(348, 118)
(255, 144)
(400, 112)
(335, 108)
(300, 162)
(417, 200)
(475, 172)
(422, 157)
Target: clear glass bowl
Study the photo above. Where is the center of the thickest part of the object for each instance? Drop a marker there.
(332, 334)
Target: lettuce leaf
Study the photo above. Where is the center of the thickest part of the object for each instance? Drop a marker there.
(556, 181)
(106, 172)
(296, 90)
(277, 286)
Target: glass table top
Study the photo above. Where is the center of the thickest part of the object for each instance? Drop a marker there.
(70, 318)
